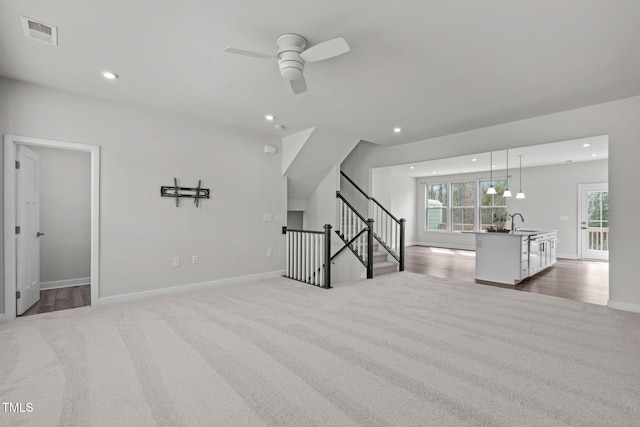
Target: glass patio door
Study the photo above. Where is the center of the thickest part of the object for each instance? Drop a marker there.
(594, 221)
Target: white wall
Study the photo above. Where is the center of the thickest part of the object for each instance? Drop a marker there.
(142, 149)
(321, 204)
(65, 214)
(402, 203)
(552, 192)
(618, 120)
(295, 220)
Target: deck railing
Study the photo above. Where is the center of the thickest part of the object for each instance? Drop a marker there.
(598, 238)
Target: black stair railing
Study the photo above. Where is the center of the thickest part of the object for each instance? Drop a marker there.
(308, 256)
(356, 232)
(388, 230)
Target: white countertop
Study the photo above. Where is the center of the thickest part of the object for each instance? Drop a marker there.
(525, 232)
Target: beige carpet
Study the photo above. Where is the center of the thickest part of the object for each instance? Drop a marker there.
(402, 349)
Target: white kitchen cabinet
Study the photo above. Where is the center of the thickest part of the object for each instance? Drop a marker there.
(510, 258)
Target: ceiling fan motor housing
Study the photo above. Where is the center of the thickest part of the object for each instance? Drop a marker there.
(289, 48)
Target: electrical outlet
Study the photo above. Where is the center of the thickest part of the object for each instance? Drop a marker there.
(194, 259)
(269, 252)
(267, 217)
(176, 261)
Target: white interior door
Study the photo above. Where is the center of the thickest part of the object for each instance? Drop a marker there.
(28, 219)
(594, 221)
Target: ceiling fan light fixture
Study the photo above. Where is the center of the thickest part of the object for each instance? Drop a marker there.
(293, 53)
(290, 72)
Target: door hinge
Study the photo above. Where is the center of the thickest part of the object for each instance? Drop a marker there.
(17, 164)
(17, 294)
(17, 229)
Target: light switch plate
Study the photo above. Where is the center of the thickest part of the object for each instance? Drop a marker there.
(267, 217)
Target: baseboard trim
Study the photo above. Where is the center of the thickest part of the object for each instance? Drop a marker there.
(447, 246)
(567, 256)
(57, 284)
(137, 296)
(624, 306)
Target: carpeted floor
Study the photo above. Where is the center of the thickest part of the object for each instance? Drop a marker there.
(401, 349)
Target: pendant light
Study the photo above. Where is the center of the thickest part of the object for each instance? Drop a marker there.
(507, 192)
(520, 194)
(491, 189)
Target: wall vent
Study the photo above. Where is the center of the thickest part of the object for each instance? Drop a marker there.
(36, 30)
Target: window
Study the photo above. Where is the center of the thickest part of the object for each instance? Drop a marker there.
(463, 201)
(491, 203)
(437, 204)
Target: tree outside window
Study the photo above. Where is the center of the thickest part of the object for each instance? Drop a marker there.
(437, 204)
(463, 201)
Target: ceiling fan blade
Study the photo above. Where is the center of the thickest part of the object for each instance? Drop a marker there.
(326, 50)
(299, 85)
(248, 53)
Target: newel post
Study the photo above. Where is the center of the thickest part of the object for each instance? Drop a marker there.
(370, 249)
(327, 256)
(402, 222)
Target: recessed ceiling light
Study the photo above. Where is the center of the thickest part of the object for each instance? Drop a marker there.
(279, 126)
(412, 167)
(586, 144)
(434, 172)
(493, 166)
(474, 160)
(269, 117)
(594, 155)
(109, 75)
(397, 129)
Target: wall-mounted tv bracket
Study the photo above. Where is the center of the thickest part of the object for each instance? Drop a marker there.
(189, 192)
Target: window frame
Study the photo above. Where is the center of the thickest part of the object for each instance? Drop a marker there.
(478, 207)
(446, 208)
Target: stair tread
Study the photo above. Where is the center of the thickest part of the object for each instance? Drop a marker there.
(383, 264)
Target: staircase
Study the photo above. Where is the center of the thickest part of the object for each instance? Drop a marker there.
(378, 242)
(381, 265)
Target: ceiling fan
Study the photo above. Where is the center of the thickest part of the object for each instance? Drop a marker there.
(293, 54)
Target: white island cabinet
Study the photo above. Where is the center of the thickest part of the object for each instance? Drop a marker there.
(510, 258)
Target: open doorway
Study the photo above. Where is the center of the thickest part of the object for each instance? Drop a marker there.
(69, 258)
(593, 210)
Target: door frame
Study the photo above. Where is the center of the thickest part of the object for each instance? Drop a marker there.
(599, 186)
(10, 256)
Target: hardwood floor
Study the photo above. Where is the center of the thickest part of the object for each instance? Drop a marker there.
(61, 299)
(585, 281)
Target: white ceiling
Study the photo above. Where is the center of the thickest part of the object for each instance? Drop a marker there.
(555, 153)
(432, 67)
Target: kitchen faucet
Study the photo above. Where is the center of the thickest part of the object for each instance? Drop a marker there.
(514, 217)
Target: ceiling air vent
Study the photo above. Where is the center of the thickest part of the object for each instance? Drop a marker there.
(40, 31)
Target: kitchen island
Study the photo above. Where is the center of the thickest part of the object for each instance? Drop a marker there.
(511, 257)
